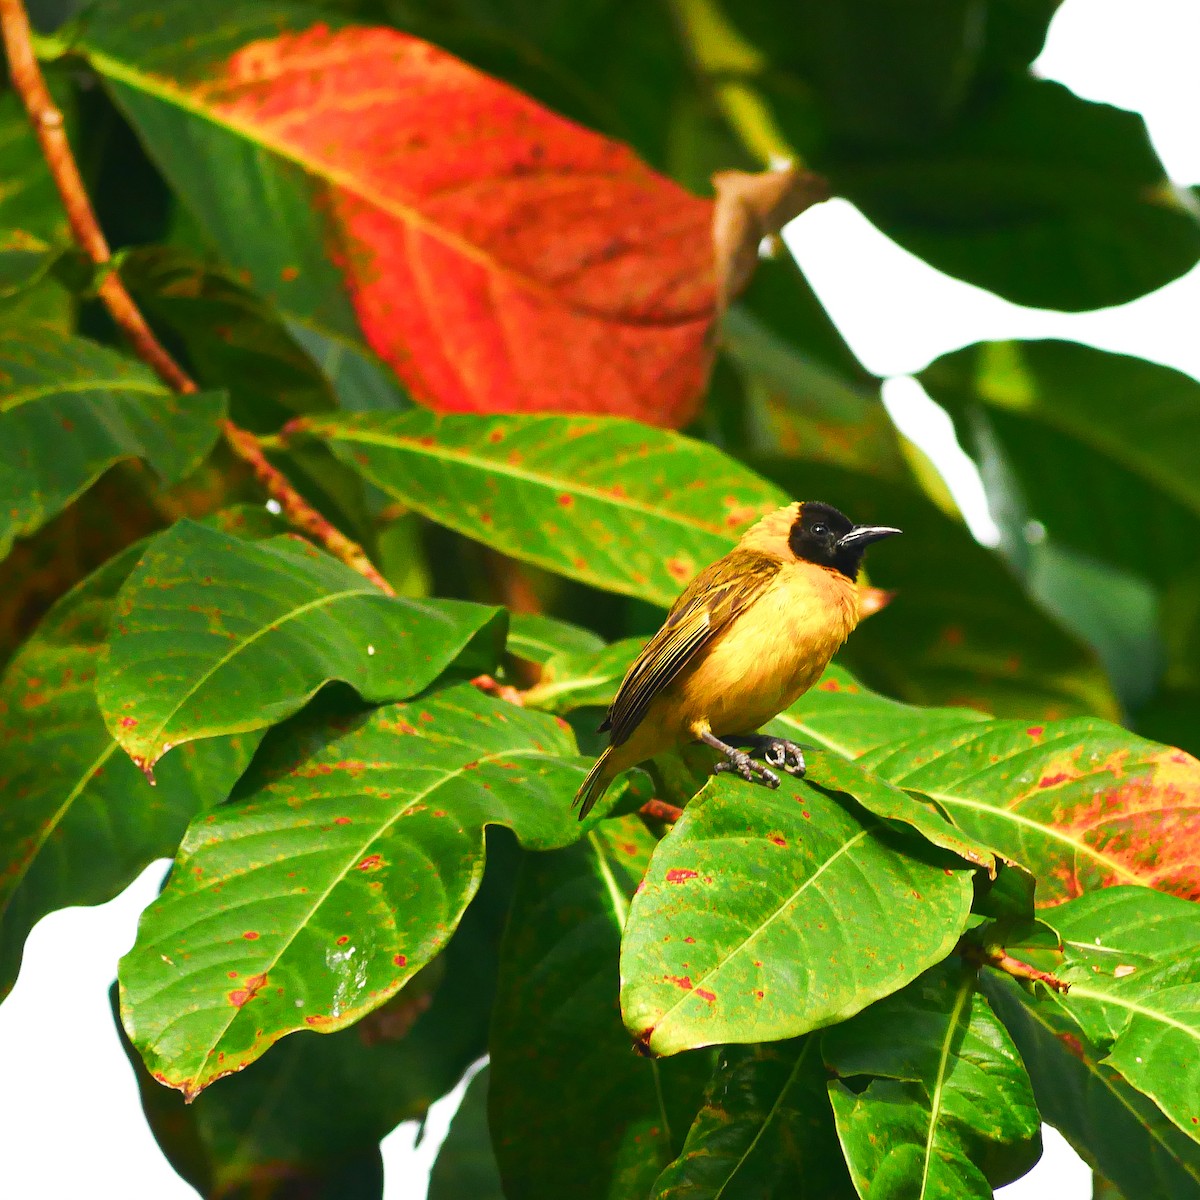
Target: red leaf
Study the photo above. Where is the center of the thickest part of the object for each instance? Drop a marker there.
(500, 257)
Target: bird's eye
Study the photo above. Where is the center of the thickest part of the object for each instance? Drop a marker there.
(820, 530)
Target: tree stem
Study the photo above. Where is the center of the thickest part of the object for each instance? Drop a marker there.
(47, 120)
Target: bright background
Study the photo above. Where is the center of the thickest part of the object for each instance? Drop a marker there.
(58, 1049)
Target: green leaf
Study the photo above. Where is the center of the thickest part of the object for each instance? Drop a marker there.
(1109, 479)
(215, 635)
(619, 505)
(340, 869)
(28, 199)
(835, 774)
(71, 409)
(233, 339)
(930, 1095)
(1047, 199)
(1081, 803)
(1132, 963)
(538, 639)
(465, 1165)
(24, 260)
(558, 987)
(803, 409)
(766, 914)
(1114, 1128)
(584, 679)
(765, 1131)
(844, 715)
(307, 1119)
(79, 822)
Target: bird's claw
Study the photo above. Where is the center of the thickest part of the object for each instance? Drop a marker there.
(742, 765)
(779, 752)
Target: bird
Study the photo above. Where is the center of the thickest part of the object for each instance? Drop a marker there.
(748, 636)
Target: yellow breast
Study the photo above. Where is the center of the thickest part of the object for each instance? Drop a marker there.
(774, 651)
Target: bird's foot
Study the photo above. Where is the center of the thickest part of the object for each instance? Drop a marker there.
(775, 752)
(737, 762)
(741, 764)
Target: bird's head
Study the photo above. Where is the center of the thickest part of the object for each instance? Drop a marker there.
(822, 535)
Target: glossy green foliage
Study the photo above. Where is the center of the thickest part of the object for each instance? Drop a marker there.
(765, 1130)
(611, 495)
(70, 409)
(215, 635)
(928, 1087)
(259, 1131)
(450, 265)
(1130, 958)
(607, 1127)
(1082, 803)
(300, 904)
(745, 907)
(79, 822)
(1115, 1128)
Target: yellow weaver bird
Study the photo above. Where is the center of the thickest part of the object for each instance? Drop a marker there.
(748, 636)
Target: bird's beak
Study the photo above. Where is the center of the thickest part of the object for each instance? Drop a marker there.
(861, 536)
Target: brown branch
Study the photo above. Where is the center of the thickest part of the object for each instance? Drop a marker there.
(1001, 960)
(47, 120)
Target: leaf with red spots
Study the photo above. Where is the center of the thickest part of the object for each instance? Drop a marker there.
(1130, 957)
(558, 987)
(1129, 954)
(78, 821)
(261, 1133)
(647, 508)
(462, 231)
(786, 938)
(70, 409)
(1081, 803)
(414, 784)
(215, 635)
(765, 1130)
(928, 1086)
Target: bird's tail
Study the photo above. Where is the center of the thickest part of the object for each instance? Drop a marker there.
(595, 785)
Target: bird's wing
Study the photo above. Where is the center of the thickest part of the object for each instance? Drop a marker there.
(709, 603)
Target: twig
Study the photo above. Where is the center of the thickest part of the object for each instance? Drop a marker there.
(1001, 960)
(47, 120)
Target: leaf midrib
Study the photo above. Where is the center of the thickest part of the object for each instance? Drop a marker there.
(1082, 991)
(965, 989)
(744, 1157)
(15, 400)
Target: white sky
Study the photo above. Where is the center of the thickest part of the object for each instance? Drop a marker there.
(68, 1106)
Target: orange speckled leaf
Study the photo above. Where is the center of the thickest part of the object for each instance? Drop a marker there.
(1082, 803)
(477, 235)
